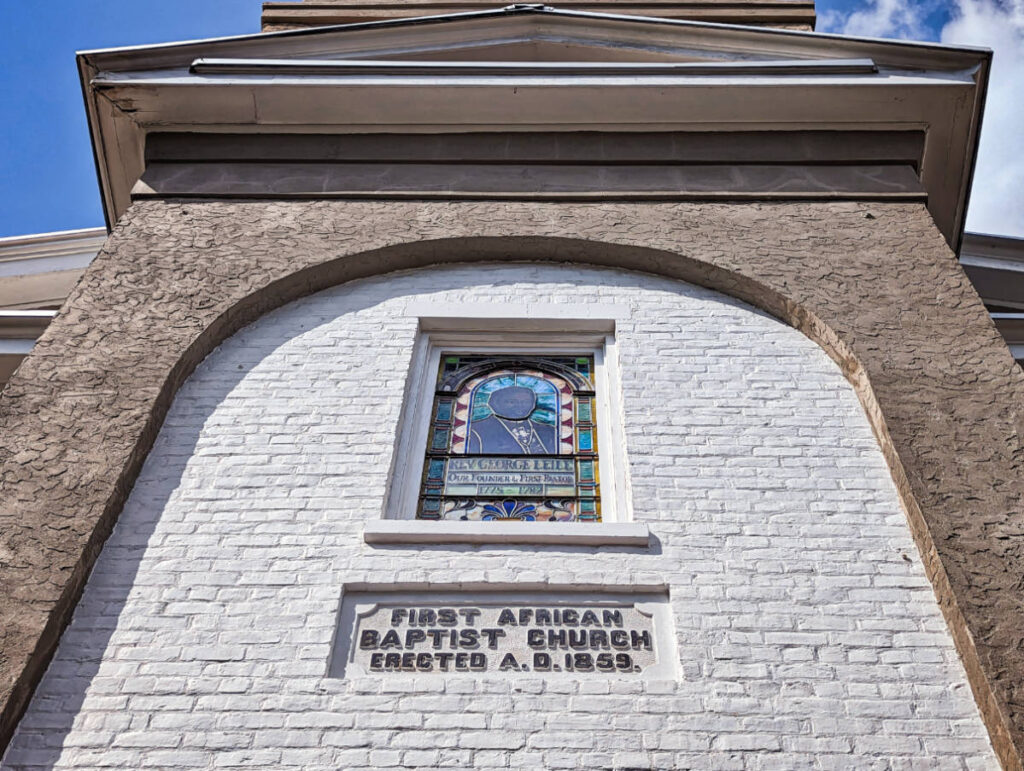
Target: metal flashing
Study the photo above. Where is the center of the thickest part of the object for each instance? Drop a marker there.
(630, 69)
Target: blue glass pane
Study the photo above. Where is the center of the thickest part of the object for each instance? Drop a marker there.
(514, 415)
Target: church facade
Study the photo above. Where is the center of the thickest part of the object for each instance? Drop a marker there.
(586, 387)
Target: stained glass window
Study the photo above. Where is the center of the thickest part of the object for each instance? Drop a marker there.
(512, 438)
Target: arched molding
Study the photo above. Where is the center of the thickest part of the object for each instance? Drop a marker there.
(208, 314)
(457, 379)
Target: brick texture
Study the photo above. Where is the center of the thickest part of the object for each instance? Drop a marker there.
(873, 284)
(808, 634)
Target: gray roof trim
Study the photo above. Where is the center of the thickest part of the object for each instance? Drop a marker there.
(986, 246)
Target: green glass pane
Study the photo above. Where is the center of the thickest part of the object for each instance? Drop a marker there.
(586, 471)
(444, 410)
(583, 411)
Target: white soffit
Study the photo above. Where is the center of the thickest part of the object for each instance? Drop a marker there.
(631, 73)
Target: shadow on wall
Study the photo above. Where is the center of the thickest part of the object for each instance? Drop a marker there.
(111, 591)
(39, 742)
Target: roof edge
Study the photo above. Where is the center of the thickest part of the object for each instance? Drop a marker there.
(528, 10)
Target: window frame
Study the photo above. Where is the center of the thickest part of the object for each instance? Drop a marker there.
(437, 337)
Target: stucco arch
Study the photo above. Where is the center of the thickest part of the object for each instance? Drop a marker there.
(177, 278)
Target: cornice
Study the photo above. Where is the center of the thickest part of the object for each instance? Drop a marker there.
(56, 244)
(687, 76)
(49, 252)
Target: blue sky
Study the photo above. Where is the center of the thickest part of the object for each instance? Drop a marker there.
(47, 175)
(48, 181)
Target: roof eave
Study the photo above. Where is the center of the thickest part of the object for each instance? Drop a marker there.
(92, 65)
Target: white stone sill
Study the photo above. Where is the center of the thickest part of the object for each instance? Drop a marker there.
(546, 533)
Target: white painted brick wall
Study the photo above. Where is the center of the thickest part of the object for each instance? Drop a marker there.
(807, 632)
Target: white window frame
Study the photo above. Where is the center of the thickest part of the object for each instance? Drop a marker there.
(525, 334)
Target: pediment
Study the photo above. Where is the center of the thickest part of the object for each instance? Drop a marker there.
(536, 35)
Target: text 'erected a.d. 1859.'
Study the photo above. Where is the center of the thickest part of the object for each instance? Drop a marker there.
(474, 635)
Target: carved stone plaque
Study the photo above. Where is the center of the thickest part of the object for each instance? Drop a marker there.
(504, 634)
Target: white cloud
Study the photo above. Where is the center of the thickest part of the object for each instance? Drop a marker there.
(881, 18)
(997, 196)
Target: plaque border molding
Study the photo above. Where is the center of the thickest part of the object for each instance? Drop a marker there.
(654, 602)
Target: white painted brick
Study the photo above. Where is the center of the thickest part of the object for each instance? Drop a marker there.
(506, 740)
(385, 758)
(421, 758)
(806, 637)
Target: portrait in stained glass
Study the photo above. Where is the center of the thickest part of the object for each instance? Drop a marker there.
(512, 438)
(513, 413)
